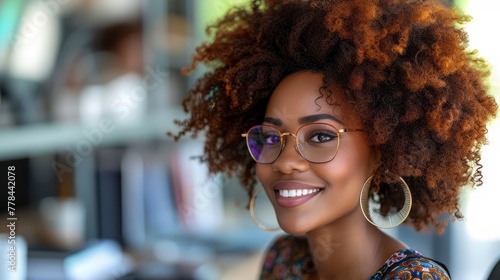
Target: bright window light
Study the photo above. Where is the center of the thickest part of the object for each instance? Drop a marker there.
(34, 47)
(480, 205)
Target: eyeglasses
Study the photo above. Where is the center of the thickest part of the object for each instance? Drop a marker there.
(315, 142)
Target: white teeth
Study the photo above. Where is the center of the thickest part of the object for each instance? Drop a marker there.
(295, 193)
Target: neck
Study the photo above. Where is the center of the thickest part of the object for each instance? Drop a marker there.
(350, 251)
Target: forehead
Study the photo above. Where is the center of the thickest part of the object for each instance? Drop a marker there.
(302, 93)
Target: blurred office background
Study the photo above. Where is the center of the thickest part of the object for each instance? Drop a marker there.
(88, 89)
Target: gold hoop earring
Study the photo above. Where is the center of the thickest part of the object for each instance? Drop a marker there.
(371, 209)
(254, 217)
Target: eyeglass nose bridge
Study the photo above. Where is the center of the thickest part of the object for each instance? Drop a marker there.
(296, 144)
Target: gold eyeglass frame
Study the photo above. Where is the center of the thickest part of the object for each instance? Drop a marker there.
(296, 146)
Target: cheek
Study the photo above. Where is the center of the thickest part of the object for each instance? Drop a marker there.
(357, 154)
(349, 168)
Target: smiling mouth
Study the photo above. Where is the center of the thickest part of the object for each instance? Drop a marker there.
(297, 193)
(293, 198)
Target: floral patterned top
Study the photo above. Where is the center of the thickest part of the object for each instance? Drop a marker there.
(289, 258)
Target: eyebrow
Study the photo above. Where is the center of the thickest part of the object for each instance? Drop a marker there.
(305, 119)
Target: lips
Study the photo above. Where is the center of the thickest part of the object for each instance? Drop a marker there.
(293, 194)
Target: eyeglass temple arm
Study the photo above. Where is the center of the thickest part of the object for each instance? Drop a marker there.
(350, 130)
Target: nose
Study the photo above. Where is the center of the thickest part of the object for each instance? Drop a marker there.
(290, 159)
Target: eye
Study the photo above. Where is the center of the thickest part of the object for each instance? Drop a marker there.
(271, 139)
(322, 137)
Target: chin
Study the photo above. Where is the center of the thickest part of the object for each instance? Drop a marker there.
(294, 229)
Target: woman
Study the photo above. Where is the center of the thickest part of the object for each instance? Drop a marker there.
(357, 115)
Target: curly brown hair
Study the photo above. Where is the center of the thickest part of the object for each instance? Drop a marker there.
(420, 93)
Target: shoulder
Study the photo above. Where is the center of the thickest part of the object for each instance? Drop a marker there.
(287, 257)
(410, 264)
